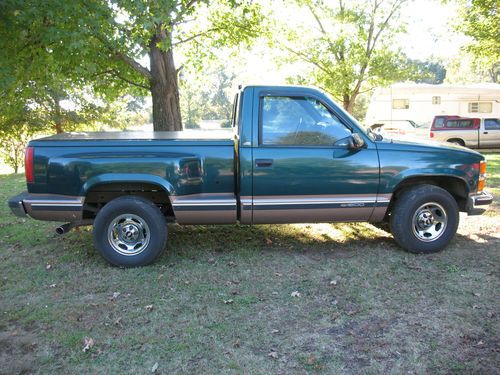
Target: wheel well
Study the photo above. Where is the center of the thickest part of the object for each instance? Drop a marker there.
(456, 140)
(453, 185)
(101, 194)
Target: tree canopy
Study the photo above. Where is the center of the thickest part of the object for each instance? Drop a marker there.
(348, 46)
(106, 45)
(480, 20)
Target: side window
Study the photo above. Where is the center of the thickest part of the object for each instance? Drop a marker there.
(492, 124)
(459, 124)
(400, 104)
(480, 107)
(439, 122)
(298, 121)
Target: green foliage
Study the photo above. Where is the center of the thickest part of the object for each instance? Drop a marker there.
(480, 20)
(348, 48)
(428, 71)
(102, 46)
(207, 96)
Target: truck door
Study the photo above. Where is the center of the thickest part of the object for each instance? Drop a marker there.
(303, 167)
(489, 133)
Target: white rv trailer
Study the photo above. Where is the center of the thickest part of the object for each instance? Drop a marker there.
(421, 102)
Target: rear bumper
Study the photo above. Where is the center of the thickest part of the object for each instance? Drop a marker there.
(50, 207)
(478, 203)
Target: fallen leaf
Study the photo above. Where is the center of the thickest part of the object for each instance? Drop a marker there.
(237, 343)
(274, 293)
(115, 295)
(311, 360)
(269, 241)
(475, 307)
(48, 267)
(88, 343)
(295, 294)
(148, 307)
(186, 282)
(333, 282)
(52, 285)
(231, 264)
(273, 354)
(477, 294)
(480, 342)
(118, 321)
(275, 331)
(228, 301)
(155, 368)
(278, 274)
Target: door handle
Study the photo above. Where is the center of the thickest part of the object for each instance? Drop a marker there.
(263, 163)
(485, 132)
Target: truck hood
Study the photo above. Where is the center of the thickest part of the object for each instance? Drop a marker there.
(422, 145)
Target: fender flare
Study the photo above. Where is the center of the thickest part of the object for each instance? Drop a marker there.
(112, 178)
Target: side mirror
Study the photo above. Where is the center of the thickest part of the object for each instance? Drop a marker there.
(357, 142)
(352, 142)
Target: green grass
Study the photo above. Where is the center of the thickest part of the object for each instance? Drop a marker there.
(389, 312)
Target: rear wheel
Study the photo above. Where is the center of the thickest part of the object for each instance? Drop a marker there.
(424, 219)
(130, 231)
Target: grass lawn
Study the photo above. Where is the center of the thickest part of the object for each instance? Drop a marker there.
(220, 300)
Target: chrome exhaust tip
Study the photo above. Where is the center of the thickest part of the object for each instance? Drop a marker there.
(63, 229)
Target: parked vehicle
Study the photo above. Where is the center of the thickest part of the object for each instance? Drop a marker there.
(469, 132)
(407, 129)
(293, 156)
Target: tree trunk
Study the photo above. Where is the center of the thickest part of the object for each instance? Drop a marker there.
(348, 101)
(57, 117)
(164, 86)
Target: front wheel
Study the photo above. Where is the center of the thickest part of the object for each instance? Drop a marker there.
(130, 231)
(424, 219)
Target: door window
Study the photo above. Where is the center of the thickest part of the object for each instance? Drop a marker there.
(299, 121)
(492, 124)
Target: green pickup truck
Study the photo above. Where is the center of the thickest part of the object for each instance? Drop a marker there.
(292, 156)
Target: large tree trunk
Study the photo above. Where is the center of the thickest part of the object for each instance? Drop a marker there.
(348, 102)
(164, 86)
(58, 127)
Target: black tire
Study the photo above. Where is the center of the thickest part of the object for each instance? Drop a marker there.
(130, 231)
(410, 217)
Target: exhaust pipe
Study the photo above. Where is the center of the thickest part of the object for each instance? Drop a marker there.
(65, 228)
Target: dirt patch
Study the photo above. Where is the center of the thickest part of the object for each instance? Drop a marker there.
(17, 352)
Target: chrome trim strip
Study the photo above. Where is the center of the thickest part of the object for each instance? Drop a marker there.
(205, 208)
(54, 207)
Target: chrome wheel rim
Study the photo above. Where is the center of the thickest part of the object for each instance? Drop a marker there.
(429, 222)
(128, 234)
